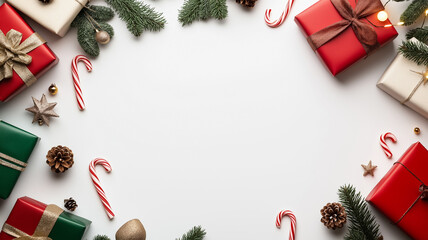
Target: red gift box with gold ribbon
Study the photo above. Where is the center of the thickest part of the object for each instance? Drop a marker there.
(344, 31)
(402, 194)
(24, 55)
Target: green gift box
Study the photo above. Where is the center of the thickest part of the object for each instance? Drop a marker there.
(16, 146)
(31, 219)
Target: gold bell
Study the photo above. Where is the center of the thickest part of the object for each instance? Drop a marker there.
(53, 89)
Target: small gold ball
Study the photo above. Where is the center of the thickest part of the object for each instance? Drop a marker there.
(102, 37)
(53, 89)
(417, 130)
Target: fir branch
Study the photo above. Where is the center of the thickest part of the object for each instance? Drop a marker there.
(196, 233)
(204, 9)
(100, 13)
(101, 237)
(189, 12)
(363, 223)
(218, 9)
(414, 11)
(138, 16)
(108, 28)
(415, 51)
(419, 33)
(86, 39)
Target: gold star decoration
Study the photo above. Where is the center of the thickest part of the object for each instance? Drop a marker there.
(369, 169)
(42, 110)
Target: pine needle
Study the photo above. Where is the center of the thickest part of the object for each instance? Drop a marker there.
(363, 223)
(414, 11)
(86, 39)
(419, 33)
(189, 12)
(415, 51)
(196, 233)
(218, 9)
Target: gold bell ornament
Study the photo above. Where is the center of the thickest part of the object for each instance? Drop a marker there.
(131, 230)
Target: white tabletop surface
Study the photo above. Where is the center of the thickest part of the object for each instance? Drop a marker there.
(219, 124)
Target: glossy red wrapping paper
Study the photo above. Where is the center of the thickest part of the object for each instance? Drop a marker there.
(399, 189)
(345, 49)
(43, 57)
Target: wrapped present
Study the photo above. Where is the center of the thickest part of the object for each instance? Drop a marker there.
(406, 81)
(24, 55)
(56, 15)
(344, 31)
(402, 194)
(16, 146)
(31, 219)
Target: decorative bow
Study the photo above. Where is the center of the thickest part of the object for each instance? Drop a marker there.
(351, 18)
(424, 80)
(14, 57)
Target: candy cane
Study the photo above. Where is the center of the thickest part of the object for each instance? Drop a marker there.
(281, 19)
(289, 214)
(96, 181)
(385, 147)
(76, 79)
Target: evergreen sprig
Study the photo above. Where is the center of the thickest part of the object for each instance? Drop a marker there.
(196, 233)
(415, 51)
(101, 237)
(363, 224)
(193, 10)
(138, 16)
(419, 33)
(414, 11)
(86, 30)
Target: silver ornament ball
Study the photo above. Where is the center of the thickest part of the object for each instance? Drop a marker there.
(102, 37)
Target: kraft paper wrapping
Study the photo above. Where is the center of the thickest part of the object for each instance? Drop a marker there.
(55, 16)
(399, 81)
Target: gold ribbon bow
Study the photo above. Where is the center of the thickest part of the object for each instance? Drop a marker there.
(14, 57)
(424, 80)
(43, 229)
(351, 18)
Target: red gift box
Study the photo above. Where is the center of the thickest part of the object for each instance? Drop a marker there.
(344, 49)
(42, 57)
(402, 194)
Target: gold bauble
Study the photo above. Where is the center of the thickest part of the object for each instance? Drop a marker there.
(102, 37)
(131, 230)
(417, 130)
(53, 89)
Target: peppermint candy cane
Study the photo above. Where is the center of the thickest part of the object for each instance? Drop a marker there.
(96, 181)
(76, 79)
(289, 214)
(281, 19)
(385, 147)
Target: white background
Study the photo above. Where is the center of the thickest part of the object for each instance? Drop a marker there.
(219, 124)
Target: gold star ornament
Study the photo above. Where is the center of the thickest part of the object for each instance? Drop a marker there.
(369, 169)
(42, 110)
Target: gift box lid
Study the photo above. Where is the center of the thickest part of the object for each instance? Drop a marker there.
(42, 57)
(18, 144)
(345, 49)
(397, 194)
(27, 213)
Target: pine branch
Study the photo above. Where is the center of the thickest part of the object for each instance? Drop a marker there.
(100, 13)
(86, 39)
(108, 28)
(414, 11)
(415, 51)
(419, 33)
(204, 10)
(189, 12)
(196, 233)
(101, 237)
(138, 16)
(218, 9)
(363, 223)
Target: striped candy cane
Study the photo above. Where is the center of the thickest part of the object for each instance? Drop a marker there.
(289, 214)
(96, 181)
(76, 79)
(281, 19)
(385, 147)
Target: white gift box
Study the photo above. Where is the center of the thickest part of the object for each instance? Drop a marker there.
(56, 16)
(403, 80)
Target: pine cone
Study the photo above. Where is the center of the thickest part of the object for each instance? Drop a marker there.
(60, 159)
(333, 215)
(70, 204)
(247, 3)
(45, 1)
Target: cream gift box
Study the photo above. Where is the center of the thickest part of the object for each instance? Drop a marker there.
(56, 16)
(404, 81)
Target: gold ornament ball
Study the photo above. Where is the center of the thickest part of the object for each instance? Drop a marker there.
(53, 89)
(417, 130)
(131, 230)
(102, 37)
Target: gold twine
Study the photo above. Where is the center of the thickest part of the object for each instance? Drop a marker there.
(424, 80)
(12, 162)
